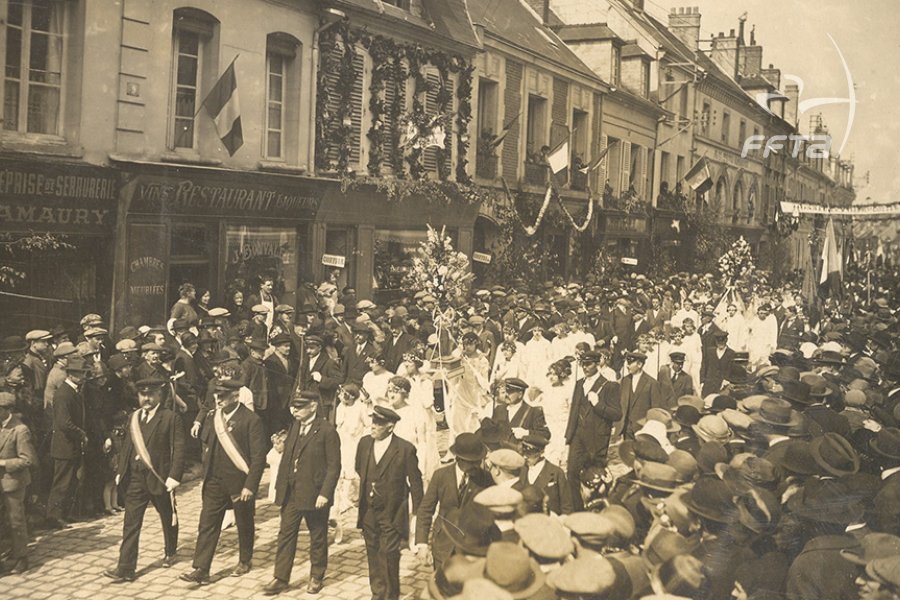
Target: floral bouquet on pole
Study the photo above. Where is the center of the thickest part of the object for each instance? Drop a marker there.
(441, 271)
(736, 265)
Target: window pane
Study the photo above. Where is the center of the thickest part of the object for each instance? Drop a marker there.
(189, 240)
(13, 52)
(273, 147)
(274, 116)
(276, 63)
(41, 13)
(188, 43)
(45, 59)
(184, 102)
(184, 133)
(43, 108)
(14, 13)
(11, 106)
(252, 252)
(275, 87)
(187, 70)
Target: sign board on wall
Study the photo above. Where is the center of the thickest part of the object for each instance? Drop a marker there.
(333, 260)
(147, 273)
(57, 198)
(627, 260)
(482, 257)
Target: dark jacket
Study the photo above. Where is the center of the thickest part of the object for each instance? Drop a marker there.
(442, 496)
(552, 482)
(164, 439)
(331, 377)
(674, 386)
(593, 424)
(396, 477)
(635, 404)
(255, 380)
(280, 381)
(356, 365)
(393, 352)
(310, 466)
(249, 437)
(527, 417)
(69, 426)
(713, 370)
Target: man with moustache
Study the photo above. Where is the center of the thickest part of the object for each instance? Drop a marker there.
(307, 477)
(234, 456)
(150, 467)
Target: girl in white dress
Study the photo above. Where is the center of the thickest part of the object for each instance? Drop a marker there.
(555, 399)
(375, 382)
(735, 326)
(422, 394)
(352, 423)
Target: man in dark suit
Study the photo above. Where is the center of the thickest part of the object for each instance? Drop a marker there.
(69, 440)
(673, 381)
(716, 365)
(281, 370)
(595, 407)
(656, 315)
(234, 456)
(320, 374)
(641, 327)
(307, 476)
(356, 356)
(708, 329)
(639, 392)
(17, 457)
(521, 417)
(398, 343)
(388, 474)
(254, 374)
(545, 476)
(150, 467)
(451, 487)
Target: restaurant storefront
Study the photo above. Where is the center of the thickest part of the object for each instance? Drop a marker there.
(76, 204)
(217, 229)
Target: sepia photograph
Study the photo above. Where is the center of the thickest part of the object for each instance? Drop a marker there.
(450, 299)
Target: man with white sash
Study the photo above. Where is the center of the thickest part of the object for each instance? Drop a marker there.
(151, 464)
(234, 455)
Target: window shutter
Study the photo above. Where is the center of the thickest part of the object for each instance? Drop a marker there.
(644, 186)
(332, 76)
(356, 114)
(391, 90)
(603, 169)
(626, 166)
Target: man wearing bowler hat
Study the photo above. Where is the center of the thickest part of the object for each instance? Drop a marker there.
(388, 475)
(68, 440)
(150, 467)
(595, 408)
(234, 456)
(304, 490)
(451, 487)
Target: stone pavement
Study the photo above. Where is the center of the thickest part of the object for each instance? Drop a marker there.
(69, 563)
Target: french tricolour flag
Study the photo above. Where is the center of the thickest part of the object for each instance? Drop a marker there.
(223, 106)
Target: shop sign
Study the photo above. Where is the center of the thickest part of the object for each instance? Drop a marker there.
(631, 262)
(221, 195)
(57, 198)
(333, 260)
(147, 273)
(626, 224)
(482, 257)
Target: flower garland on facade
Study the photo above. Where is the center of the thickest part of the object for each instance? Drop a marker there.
(398, 189)
(587, 220)
(393, 64)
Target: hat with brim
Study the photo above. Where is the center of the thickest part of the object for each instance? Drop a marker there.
(659, 477)
(778, 413)
(834, 454)
(509, 566)
(825, 501)
(12, 344)
(711, 499)
(258, 344)
(873, 546)
(468, 446)
(64, 349)
(886, 443)
(471, 529)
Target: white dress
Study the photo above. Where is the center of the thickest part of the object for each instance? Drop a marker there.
(422, 394)
(376, 384)
(504, 369)
(736, 328)
(762, 338)
(536, 357)
(352, 423)
(556, 401)
(469, 395)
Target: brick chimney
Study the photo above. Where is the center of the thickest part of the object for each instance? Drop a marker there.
(792, 91)
(724, 51)
(685, 24)
(772, 75)
(751, 61)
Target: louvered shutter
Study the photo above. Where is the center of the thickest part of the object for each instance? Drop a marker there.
(644, 185)
(356, 114)
(331, 66)
(431, 109)
(391, 90)
(332, 76)
(625, 166)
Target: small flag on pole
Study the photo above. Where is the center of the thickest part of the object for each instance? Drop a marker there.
(698, 177)
(596, 162)
(832, 269)
(558, 158)
(224, 108)
(502, 135)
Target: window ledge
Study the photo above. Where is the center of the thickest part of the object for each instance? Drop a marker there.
(43, 145)
(277, 167)
(189, 159)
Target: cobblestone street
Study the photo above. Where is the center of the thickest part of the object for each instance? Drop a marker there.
(70, 563)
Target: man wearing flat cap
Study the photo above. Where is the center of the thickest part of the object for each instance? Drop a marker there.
(715, 365)
(255, 378)
(388, 475)
(522, 418)
(548, 478)
(281, 372)
(307, 477)
(355, 360)
(17, 456)
(595, 408)
(234, 456)
(37, 358)
(150, 467)
(320, 374)
(451, 487)
(673, 381)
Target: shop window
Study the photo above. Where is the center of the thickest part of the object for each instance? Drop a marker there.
(191, 52)
(33, 59)
(394, 252)
(253, 252)
(282, 97)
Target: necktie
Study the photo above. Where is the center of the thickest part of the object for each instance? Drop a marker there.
(462, 488)
(146, 416)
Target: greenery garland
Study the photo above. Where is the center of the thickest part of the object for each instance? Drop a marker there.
(343, 132)
(463, 118)
(416, 57)
(380, 51)
(443, 192)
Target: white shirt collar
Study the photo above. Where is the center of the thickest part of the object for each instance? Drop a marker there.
(228, 416)
(6, 421)
(888, 472)
(589, 381)
(379, 447)
(535, 470)
(72, 384)
(150, 413)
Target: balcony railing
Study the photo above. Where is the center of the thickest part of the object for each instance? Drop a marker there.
(535, 173)
(578, 181)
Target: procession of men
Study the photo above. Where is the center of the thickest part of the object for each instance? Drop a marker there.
(619, 438)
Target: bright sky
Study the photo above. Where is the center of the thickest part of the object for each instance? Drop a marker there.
(795, 38)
